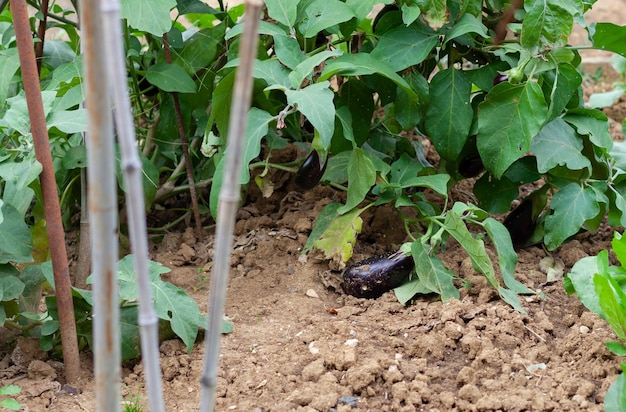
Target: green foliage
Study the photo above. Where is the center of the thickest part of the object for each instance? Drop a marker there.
(601, 288)
(9, 403)
(178, 313)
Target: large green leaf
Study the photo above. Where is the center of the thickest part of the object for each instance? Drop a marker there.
(271, 71)
(322, 221)
(322, 14)
(405, 46)
(288, 50)
(10, 287)
(170, 78)
(571, 206)
(283, 11)
(361, 178)
(200, 49)
(361, 8)
(508, 119)
(612, 301)
(9, 63)
(557, 144)
(548, 22)
(561, 86)
(257, 126)
(449, 117)
(361, 64)
(609, 36)
(152, 16)
(432, 273)
(581, 278)
(316, 103)
(69, 121)
(466, 24)
(16, 242)
(305, 68)
(592, 122)
(339, 237)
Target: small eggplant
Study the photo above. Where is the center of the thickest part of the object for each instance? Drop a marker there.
(522, 220)
(500, 78)
(374, 276)
(310, 172)
(471, 165)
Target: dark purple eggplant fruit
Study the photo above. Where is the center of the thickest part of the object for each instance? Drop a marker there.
(471, 165)
(374, 276)
(310, 172)
(500, 78)
(522, 221)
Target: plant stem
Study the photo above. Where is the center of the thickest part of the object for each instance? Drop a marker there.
(41, 34)
(52, 209)
(185, 147)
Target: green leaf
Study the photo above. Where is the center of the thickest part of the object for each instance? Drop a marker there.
(432, 273)
(615, 397)
(339, 238)
(547, 22)
(609, 36)
(406, 291)
(9, 63)
(361, 178)
(306, 67)
(467, 24)
(438, 182)
(591, 122)
(557, 144)
(9, 390)
(170, 78)
(568, 81)
(581, 279)
(619, 247)
(449, 117)
(508, 119)
(404, 46)
(288, 51)
(613, 303)
(10, 288)
(75, 158)
(404, 169)
(337, 168)
(361, 8)
(322, 14)
(506, 255)
(21, 173)
(16, 242)
(616, 347)
(129, 333)
(283, 11)
(495, 195)
(316, 103)
(362, 64)
(10, 404)
(148, 15)
(69, 121)
(571, 206)
(269, 70)
(257, 126)
(322, 221)
(475, 248)
(199, 50)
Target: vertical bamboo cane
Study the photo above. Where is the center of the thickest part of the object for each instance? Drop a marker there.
(228, 201)
(102, 211)
(135, 206)
(52, 209)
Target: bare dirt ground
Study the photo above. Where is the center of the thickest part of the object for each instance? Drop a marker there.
(301, 346)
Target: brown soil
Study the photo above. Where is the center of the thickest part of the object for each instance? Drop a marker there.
(299, 345)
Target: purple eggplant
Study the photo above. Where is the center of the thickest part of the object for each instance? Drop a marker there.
(374, 276)
(471, 165)
(522, 221)
(310, 172)
(500, 78)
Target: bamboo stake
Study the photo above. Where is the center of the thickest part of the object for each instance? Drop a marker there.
(135, 206)
(228, 201)
(49, 192)
(102, 211)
